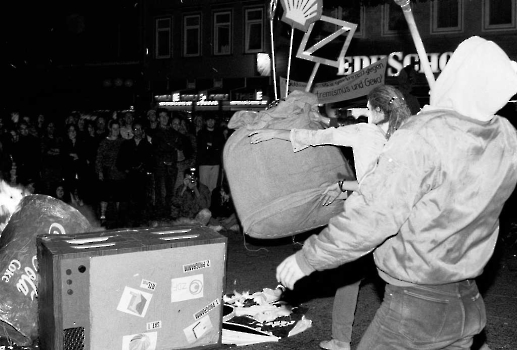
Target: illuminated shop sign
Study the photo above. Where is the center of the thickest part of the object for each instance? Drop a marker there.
(163, 98)
(188, 103)
(248, 103)
(208, 103)
(201, 96)
(176, 104)
(218, 97)
(396, 61)
(189, 97)
(248, 95)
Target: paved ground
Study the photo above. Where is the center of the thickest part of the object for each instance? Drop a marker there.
(252, 263)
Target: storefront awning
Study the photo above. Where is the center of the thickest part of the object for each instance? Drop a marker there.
(252, 95)
(218, 94)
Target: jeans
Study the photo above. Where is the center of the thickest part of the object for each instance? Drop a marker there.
(349, 276)
(343, 311)
(209, 176)
(164, 180)
(427, 317)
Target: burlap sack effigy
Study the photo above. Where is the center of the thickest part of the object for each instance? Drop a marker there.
(277, 192)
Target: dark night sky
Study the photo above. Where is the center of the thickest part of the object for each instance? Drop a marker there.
(61, 31)
(40, 38)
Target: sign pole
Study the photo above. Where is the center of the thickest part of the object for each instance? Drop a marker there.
(424, 61)
(311, 79)
(289, 62)
(272, 9)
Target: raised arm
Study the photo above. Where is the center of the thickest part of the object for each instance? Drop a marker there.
(269, 134)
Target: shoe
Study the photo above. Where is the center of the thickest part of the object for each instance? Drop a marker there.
(334, 344)
(235, 228)
(216, 228)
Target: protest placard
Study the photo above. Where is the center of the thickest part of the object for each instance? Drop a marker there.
(355, 85)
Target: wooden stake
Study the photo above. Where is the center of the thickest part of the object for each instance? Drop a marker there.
(289, 64)
(311, 79)
(422, 55)
(272, 9)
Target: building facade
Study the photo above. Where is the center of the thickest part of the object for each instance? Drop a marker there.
(216, 54)
(208, 52)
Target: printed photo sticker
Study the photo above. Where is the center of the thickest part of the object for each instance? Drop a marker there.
(198, 329)
(140, 341)
(134, 302)
(187, 288)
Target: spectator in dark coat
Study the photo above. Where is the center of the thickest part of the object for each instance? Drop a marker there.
(74, 160)
(26, 154)
(136, 160)
(52, 159)
(186, 156)
(210, 144)
(91, 145)
(166, 143)
(111, 178)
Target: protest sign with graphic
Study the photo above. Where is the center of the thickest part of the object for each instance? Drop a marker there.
(355, 85)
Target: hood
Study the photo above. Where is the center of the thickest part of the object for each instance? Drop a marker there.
(478, 80)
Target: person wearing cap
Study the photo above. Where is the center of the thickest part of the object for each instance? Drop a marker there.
(430, 208)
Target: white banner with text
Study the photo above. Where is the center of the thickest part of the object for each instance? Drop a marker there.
(355, 85)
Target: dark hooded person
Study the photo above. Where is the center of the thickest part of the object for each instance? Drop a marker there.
(430, 209)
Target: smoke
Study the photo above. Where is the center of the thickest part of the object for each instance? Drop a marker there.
(10, 198)
(89, 214)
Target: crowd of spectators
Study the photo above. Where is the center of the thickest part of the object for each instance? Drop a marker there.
(121, 167)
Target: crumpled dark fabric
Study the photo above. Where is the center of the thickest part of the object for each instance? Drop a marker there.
(277, 192)
(38, 214)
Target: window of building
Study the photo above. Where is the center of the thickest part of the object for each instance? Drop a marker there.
(222, 33)
(254, 30)
(394, 21)
(192, 35)
(499, 14)
(354, 13)
(447, 16)
(350, 12)
(163, 38)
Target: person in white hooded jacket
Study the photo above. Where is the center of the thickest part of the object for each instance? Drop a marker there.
(430, 209)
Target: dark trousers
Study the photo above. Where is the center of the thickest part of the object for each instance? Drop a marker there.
(138, 188)
(164, 180)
